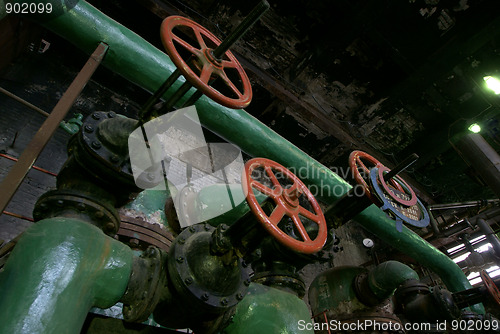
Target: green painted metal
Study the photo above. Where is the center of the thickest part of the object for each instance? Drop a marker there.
(268, 310)
(217, 211)
(387, 276)
(333, 290)
(138, 61)
(150, 203)
(59, 269)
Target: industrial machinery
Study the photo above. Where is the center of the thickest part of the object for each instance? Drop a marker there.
(237, 273)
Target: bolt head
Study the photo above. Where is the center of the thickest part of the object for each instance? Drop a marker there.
(205, 296)
(180, 259)
(247, 282)
(188, 280)
(96, 145)
(89, 128)
(60, 202)
(111, 114)
(181, 241)
(223, 302)
(96, 116)
(114, 158)
(99, 214)
(110, 226)
(239, 296)
(192, 229)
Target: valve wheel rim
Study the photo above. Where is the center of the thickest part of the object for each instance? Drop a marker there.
(355, 163)
(491, 286)
(287, 203)
(403, 187)
(209, 66)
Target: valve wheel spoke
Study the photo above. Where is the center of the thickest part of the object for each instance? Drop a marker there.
(300, 227)
(230, 84)
(200, 39)
(206, 73)
(263, 189)
(309, 215)
(277, 214)
(186, 45)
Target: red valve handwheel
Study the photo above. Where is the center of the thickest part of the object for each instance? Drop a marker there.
(209, 66)
(287, 203)
(491, 286)
(356, 163)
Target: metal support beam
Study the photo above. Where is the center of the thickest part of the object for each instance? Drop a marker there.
(19, 171)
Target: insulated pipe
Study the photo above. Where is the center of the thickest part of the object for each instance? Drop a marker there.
(138, 61)
(59, 269)
(385, 278)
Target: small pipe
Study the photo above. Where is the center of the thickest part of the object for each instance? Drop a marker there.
(26, 103)
(34, 167)
(490, 235)
(401, 166)
(241, 29)
(460, 205)
(15, 215)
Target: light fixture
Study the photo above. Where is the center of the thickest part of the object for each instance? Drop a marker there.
(475, 128)
(492, 83)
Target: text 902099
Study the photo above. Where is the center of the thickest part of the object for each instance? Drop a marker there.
(28, 8)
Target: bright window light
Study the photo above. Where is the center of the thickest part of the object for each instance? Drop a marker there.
(474, 128)
(492, 83)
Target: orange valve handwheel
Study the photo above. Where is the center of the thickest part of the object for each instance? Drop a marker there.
(207, 64)
(287, 203)
(491, 286)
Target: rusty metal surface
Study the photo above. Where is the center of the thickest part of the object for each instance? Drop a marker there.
(145, 233)
(18, 172)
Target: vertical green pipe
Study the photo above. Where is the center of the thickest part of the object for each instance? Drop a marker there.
(141, 63)
(59, 269)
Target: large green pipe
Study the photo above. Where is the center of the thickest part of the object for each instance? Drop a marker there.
(59, 269)
(138, 61)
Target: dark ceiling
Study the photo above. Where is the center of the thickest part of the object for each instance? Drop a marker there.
(387, 77)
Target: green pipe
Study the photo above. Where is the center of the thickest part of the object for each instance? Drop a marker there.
(138, 61)
(60, 268)
(269, 310)
(385, 278)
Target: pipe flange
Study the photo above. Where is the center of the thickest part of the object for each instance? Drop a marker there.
(107, 163)
(272, 279)
(191, 279)
(363, 291)
(72, 204)
(145, 285)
